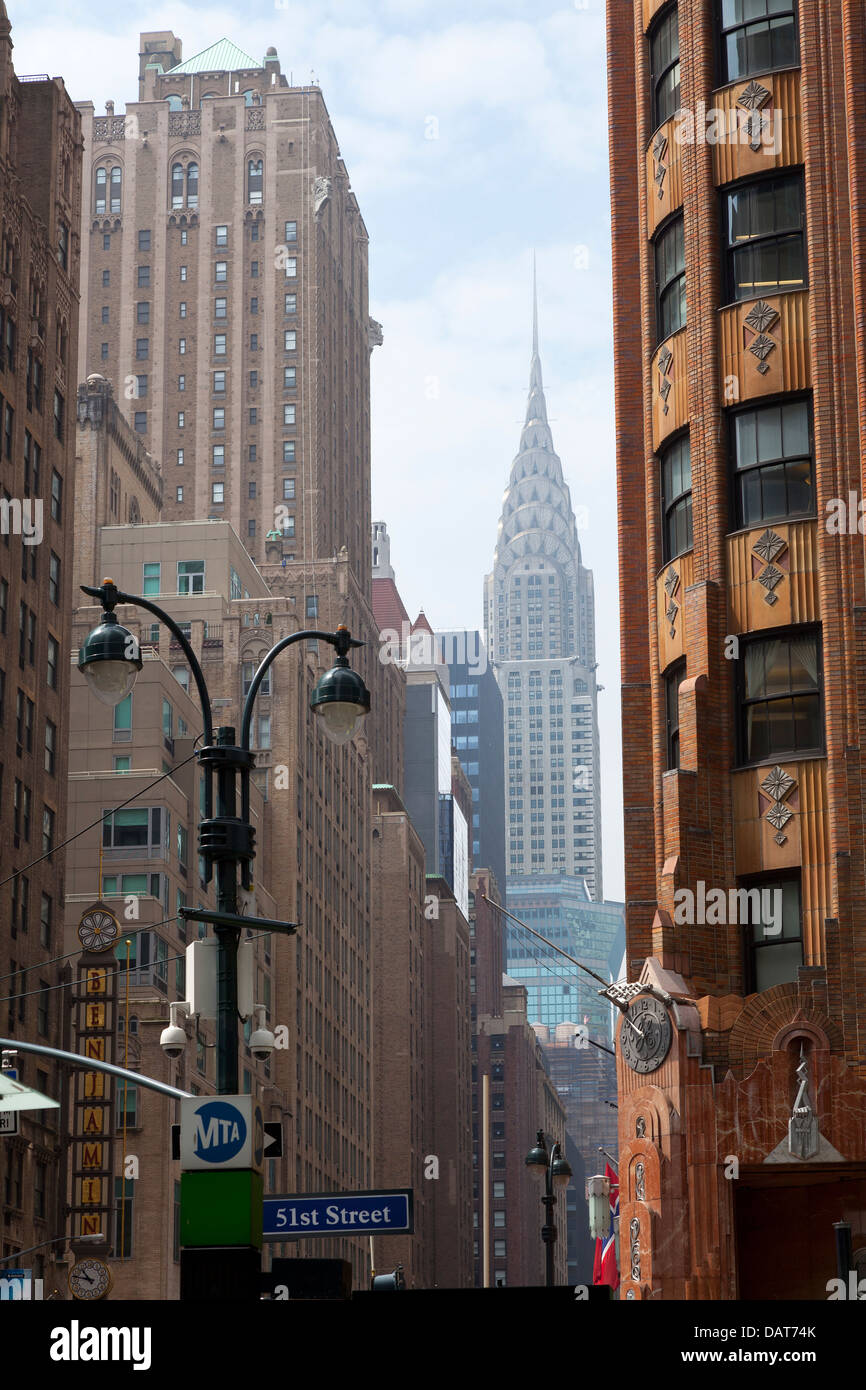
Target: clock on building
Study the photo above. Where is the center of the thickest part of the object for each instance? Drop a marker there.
(90, 1279)
(98, 928)
(646, 1034)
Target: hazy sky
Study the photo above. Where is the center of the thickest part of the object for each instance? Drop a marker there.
(472, 134)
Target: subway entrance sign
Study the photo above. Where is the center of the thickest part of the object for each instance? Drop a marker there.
(309, 1214)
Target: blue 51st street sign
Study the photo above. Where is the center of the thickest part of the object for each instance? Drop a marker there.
(339, 1214)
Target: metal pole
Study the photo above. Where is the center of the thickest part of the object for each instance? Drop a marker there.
(548, 1235)
(227, 937)
(485, 1178)
(844, 1255)
(125, 1095)
(93, 1065)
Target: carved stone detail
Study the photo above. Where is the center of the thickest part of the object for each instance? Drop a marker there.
(767, 548)
(758, 320)
(184, 123)
(108, 128)
(640, 1182)
(255, 118)
(666, 357)
(777, 785)
(640, 1127)
(752, 98)
(660, 147)
(634, 1238)
(321, 194)
(671, 585)
(803, 1124)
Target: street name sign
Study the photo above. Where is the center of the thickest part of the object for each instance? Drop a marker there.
(9, 1118)
(221, 1132)
(339, 1214)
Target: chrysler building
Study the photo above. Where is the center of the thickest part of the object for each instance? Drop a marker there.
(540, 629)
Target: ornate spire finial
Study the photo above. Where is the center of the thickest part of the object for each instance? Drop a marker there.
(534, 310)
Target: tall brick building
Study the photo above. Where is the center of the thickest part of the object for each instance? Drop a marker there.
(40, 180)
(224, 279)
(738, 175)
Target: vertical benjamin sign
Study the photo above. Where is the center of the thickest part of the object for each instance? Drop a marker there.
(95, 1024)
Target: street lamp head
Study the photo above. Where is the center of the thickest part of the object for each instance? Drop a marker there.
(537, 1158)
(110, 660)
(561, 1172)
(341, 700)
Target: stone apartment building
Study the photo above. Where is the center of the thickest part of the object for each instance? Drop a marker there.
(40, 179)
(738, 171)
(224, 280)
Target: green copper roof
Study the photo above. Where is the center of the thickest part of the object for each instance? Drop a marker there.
(223, 56)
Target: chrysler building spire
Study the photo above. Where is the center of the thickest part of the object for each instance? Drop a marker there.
(540, 631)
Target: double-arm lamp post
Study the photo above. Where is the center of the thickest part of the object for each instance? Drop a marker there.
(110, 659)
(555, 1171)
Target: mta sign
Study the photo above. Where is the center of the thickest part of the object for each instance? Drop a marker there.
(339, 1214)
(221, 1132)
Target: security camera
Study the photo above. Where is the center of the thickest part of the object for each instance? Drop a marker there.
(173, 1039)
(262, 1041)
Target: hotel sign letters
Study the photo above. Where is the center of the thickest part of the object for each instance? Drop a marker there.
(94, 1023)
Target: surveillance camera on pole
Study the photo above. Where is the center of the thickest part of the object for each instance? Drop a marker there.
(173, 1039)
(262, 1041)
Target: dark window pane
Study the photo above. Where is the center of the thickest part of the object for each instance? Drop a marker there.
(769, 423)
(781, 725)
(774, 502)
(750, 498)
(777, 965)
(801, 501)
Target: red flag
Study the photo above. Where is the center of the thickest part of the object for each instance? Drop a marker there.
(596, 1264)
(613, 1179)
(609, 1271)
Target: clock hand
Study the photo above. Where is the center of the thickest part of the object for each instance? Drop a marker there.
(84, 1275)
(633, 1025)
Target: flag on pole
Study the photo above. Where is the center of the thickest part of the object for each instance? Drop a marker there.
(604, 1270)
(613, 1179)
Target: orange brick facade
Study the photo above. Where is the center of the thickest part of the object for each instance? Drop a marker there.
(724, 786)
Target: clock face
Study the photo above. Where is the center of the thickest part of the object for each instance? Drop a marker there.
(646, 1033)
(89, 1279)
(98, 929)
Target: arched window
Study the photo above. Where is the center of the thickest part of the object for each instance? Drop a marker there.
(209, 96)
(255, 170)
(177, 185)
(174, 103)
(192, 186)
(115, 188)
(101, 182)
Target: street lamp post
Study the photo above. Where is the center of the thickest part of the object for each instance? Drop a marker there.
(551, 1168)
(110, 660)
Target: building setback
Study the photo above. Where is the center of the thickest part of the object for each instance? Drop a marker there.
(740, 373)
(477, 738)
(40, 176)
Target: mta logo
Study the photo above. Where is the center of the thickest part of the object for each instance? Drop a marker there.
(220, 1132)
